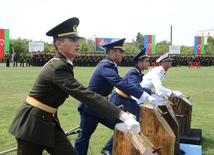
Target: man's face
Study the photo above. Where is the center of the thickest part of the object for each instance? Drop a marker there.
(144, 64)
(167, 64)
(117, 55)
(69, 47)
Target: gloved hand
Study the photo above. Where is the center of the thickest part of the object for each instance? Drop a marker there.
(178, 94)
(152, 100)
(160, 94)
(131, 123)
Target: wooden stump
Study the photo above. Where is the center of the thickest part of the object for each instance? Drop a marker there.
(157, 130)
(173, 123)
(126, 143)
(183, 113)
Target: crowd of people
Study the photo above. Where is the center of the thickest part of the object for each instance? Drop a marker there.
(92, 59)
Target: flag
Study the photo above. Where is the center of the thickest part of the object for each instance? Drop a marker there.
(149, 44)
(4, 42)
(199, 45)
(99, 42)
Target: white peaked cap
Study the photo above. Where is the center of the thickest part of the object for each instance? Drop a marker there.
(164, 57)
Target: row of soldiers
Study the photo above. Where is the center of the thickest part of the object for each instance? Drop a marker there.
(86, 60)
(30, 59)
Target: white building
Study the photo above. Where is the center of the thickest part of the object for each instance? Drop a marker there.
(206, 34)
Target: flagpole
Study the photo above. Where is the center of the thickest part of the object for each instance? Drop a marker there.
(171, 34)
(94, 43)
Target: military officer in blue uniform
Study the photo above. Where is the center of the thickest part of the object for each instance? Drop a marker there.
(103, 79)
(36, 126)
(134, 75)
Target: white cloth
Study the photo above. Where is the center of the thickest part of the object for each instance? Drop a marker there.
(158, 99)
(153, 79)
(147, 97)
(143, 97)
(160, 94)
(130, 122)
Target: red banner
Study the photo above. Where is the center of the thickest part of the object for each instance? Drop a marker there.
(1, 43)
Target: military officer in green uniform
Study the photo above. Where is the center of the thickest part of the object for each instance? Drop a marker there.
(36, 126)
(7, 59)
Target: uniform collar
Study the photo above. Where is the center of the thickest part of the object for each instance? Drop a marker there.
(115, 64)
(139, 70)
(70, 62)
(61, 56)
(107, 58)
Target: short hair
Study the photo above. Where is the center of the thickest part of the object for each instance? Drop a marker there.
(59, 39)
(141, 59)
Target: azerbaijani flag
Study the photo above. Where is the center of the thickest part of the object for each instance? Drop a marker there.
(4, 42)
(199, 45)
(149, 44)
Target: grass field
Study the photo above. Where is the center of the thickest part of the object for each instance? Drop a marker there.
(198, 83)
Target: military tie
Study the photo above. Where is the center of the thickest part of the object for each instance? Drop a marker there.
(116, 69)
(141, 78)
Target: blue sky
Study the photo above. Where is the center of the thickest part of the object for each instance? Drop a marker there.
(31, 19)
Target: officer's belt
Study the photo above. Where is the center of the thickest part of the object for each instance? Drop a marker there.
(34, 102)
(121, 93)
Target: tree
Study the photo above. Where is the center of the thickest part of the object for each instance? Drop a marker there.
(162, 47)
(84, 46)
(209, 49)
(139, 42)
(91, 44)
(130, 48)
(210, 41)
(88, 46)
(187, 50)
(49, 47)
(19, 45)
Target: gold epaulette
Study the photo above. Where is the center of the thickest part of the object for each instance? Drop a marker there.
(136, 69)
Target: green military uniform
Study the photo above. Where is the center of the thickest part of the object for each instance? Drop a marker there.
(53, 85)
(7, 59)
(35, 121)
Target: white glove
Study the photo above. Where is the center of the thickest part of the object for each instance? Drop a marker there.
(178, 94)
(152, 100)
(160, 94)
(131, 123)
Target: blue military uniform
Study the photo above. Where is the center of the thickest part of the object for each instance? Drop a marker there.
(135, 76)
(103, 79)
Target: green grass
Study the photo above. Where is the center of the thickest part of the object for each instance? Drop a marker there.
(194, 82)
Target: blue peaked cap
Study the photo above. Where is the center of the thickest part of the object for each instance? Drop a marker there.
(115, 45)
(140, 55)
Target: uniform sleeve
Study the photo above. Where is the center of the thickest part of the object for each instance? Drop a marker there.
(149, 91)
(134, 78)
(156, 80)
(63, 78)
(124, 85)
